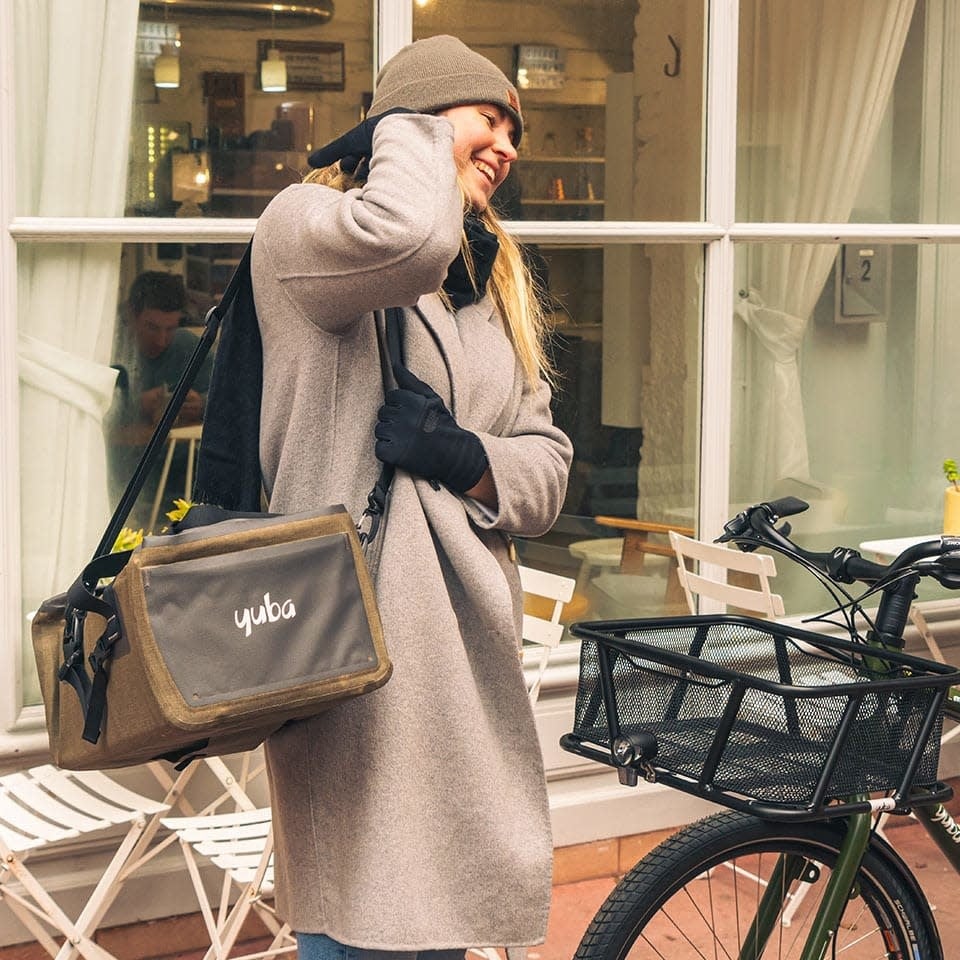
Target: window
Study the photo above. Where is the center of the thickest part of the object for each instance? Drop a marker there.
(182, 172)
(839, 348)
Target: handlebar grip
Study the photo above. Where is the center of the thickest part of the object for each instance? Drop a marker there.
(857, 568)
(786, 506)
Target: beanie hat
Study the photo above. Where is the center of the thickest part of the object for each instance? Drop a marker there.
(429, 75)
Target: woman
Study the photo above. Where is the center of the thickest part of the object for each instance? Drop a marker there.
(414, 819)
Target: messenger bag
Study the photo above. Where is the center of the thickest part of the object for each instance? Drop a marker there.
(206, 640)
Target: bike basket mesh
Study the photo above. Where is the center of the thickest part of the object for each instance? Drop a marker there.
(795, 698)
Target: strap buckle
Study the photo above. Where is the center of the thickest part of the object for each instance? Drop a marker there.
(103, 650)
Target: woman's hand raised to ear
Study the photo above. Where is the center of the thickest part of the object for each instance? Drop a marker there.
(352, 149)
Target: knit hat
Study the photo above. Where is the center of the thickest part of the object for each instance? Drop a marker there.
(439, 72)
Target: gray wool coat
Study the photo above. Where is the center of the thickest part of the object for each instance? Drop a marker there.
(414, 817)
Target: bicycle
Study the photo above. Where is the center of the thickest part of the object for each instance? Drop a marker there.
(806, 738)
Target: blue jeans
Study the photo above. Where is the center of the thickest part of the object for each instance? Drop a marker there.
(318, 946)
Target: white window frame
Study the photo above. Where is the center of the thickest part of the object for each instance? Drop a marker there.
(21, 728)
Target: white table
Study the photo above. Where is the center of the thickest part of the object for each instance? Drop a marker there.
(884, 551)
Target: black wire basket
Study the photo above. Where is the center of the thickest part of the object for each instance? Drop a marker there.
(750, 712)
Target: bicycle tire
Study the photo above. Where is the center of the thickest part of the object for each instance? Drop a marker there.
(886, 916)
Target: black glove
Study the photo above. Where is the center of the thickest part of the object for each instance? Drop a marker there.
(353, 149)
(416, 432)
(483, 249)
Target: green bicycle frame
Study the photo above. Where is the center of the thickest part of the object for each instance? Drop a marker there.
(790, 868)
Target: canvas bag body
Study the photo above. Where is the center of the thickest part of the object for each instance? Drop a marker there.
(228, 632)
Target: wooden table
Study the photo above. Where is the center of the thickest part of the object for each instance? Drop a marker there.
(628, 553)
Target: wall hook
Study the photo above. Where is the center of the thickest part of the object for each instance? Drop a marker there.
(673, 70)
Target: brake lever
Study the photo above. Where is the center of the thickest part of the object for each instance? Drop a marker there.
(734, 528)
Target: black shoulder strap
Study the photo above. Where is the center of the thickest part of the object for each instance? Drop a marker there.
(148, 458)
(228, 462)
(393, 353)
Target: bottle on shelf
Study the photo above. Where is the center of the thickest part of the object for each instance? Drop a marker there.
(584, 148)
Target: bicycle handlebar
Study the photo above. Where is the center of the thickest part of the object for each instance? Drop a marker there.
(757, 526)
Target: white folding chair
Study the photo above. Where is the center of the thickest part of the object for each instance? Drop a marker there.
(43, 807)
(191, 436)
(240, 844)
(696, 583)
(758, 599)
(546, 631)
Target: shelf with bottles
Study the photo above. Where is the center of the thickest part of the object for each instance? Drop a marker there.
(561, 160)
(563, 132)
(576, 185)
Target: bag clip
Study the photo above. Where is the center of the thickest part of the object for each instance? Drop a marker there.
(103, 650)
(72, 642)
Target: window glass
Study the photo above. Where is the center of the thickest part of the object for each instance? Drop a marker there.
(626, 347)
(611, 97)
(842, 109)
(218, 145)
(838, 393)
(221, 143)
(86, 422)
(612, 106)
(165, 292)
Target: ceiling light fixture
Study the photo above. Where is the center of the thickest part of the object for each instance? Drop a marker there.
(273, 70)
(166, 68)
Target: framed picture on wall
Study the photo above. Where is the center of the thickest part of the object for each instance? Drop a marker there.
(311, 65)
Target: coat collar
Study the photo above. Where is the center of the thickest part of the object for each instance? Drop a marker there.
(442, 328)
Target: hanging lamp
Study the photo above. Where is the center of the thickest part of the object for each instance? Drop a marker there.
(273, 70)
(166, 68)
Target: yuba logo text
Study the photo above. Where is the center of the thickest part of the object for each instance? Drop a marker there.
(267, 612)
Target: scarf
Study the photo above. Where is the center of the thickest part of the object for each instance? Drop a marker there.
(483, 249)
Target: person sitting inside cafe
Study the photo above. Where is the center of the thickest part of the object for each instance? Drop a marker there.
(151, 352)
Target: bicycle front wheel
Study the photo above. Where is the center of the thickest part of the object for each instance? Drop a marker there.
(698, 894)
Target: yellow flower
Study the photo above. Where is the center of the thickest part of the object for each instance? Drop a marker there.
(127, 539)
(181, 508)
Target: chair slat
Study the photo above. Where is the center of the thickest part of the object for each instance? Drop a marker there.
(245, 876)
(238, 847)
(69, 790)
(28, 793)
(21, 842)
(223, 834)
(542, 631)
(260, 815)
(117, 794)
(231, 860)
(20, 819)
(546, 584)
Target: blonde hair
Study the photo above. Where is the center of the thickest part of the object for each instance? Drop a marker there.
(513, 288)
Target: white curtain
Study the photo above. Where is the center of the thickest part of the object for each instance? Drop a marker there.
(75, 62)
(937, 357)
(815, 82)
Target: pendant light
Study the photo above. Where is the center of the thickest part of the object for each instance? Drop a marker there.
(273, 70)
(166, 68)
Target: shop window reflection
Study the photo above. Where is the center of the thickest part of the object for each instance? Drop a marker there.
(153, 344)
